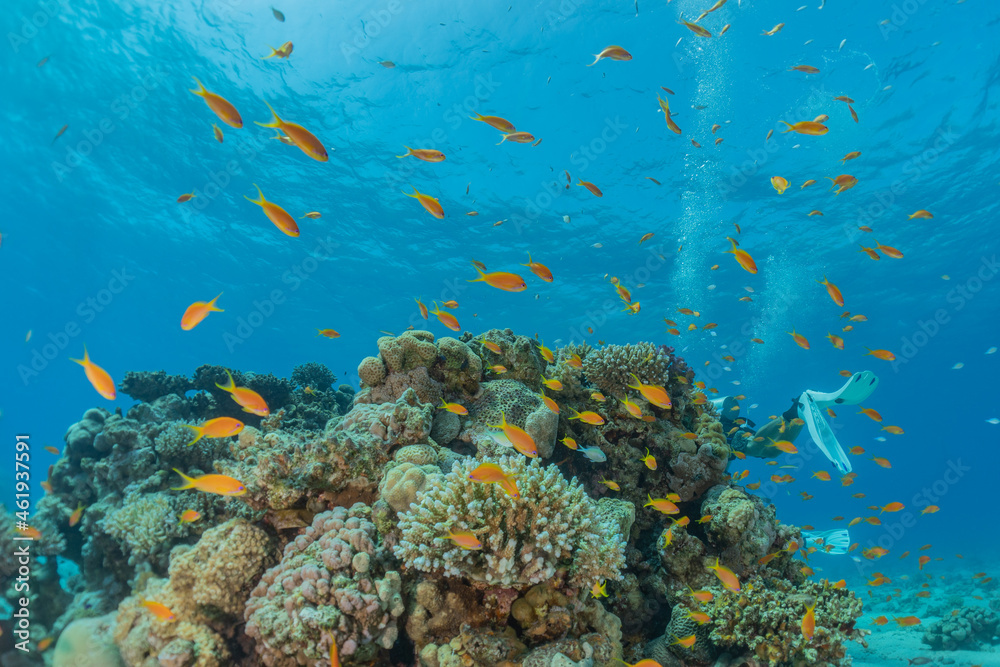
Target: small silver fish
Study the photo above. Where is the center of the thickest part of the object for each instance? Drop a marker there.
(594, 454)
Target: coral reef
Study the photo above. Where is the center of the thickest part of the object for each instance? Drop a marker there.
(552, 526)
(514, 401)
(764, 618)
(972, 628)
(87, 642)
(206, 591)
(413, 360)
(332, 580)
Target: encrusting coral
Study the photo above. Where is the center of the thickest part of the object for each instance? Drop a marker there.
(332, 580)
(513, 401)
(554, 525)
(971, 628)
(207, 589)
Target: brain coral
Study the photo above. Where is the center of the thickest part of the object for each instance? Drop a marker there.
(553, 525)
(521, 407)
(330, 581)
(608, 367)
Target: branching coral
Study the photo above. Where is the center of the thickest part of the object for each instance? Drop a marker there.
(765, 618)
(552, 526)
(331, 580)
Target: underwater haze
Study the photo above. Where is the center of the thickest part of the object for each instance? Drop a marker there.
(579, 245)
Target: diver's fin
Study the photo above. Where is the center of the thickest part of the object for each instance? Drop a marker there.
(821, 433)
(857, 389)
(839, 539)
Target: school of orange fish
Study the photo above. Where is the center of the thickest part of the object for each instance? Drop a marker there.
(299, 137)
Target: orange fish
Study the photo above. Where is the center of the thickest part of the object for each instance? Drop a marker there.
(250, 400)
(220, 427)
(870, 413)
(822, 475)
(884, 355)
(665, 106)
(189, 516)
(648, 460)
(226, 112)
(695, 28)
(613, 52)
(549, 403)
(279, 216)
(217, 132)
(539, 270)
(881, 461)
(742, 257)
(430, 204)
(729, 580)
(785, 446)
(508, 282)
(800, 340)
(518, 138)
(218, 484)
(857, 450)
(446, 319)
(492, 347)
(930, 509)
(807, 127)
(889, 251)
(185, 197)
(98, 377)
(661, 505)
(596, 191)
(575, 361)
(906, 621)
(588, 417)
(517, 436)
(809, 622)
(496, 122)
(488, 473)
(780, 184)
(808, 69)
(465, 540)
(854, 114)
(159, 610)
(870, 252)
(774, 31)
(51, 450)
(833, 291)
(425, 154)
(893, 507)
(920, 214)
(453, 408)
(300, 136)
(655, 394)
(198, 311)
(77, 514)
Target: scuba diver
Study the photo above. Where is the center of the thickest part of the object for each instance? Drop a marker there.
(806, 412)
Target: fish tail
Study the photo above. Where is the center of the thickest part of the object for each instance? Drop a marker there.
(211, 305)
(277, 122)
(230, 385)
(790, 128)
(259, 202)
(86, 358)
(478, 116)
(188, 481)
(481, 278)
(502, 140)
(201, 87)
(409, 151)
(197, 429)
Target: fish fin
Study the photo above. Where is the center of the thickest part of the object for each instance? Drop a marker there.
(188, 481)
(478, 116)
(790, 128)
(86, 358)
(409, 151)
(277, 122)
(201, 87)
(259, 202)
(230, 384)
(196, 429)
(211, 304)
(502, 140)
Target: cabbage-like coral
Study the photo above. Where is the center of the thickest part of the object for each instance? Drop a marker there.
(331, 581)
(765, 618)
(971, 628)
(554, 525)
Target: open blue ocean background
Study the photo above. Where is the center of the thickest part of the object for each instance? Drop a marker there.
(93, 241)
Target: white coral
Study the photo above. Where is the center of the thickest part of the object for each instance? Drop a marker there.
(553, 525)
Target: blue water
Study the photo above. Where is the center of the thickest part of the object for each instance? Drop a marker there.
(93, 240)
